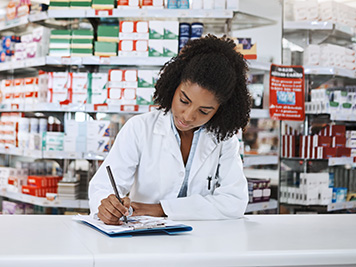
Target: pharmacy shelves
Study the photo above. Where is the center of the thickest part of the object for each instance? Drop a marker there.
(318, 25)
(335, 161)
(341, 206)
(260, 160)
(260, 206)
(304, 33)
(336, 116)
(96, 60)
(44, 202)
(333, 71)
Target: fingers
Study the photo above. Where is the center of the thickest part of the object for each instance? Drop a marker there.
(127, 202)
(111, 210)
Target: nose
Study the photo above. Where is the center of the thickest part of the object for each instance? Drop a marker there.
(189, 115)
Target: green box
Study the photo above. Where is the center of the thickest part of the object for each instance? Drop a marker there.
(81, 51)
(108, 33)
(105, 48)
(103, 2)
(61, 34)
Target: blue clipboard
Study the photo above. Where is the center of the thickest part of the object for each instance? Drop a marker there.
(171, 228)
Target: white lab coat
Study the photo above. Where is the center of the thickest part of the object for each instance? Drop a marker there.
(146, 162)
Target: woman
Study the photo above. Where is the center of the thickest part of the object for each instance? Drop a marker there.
(182, 160)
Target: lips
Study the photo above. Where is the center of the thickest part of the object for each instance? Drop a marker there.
(181, 124)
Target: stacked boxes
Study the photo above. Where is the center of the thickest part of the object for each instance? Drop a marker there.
(148, 38)
(40, 185)
(313, 189)
(259, 190)
(26, 91)
(77, 87)
(330, 55)
(57, 87)
(75, 136)
(106, 44)
(7, 47)
(314, 10)
(97, 93)
(351, 142)
(100, 136)
(60, 43)
(82, 43)
(333, 101)
(330, 142)
(145, 87)
(122, 87)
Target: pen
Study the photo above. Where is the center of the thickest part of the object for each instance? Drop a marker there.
(114, 187)
(209, 182)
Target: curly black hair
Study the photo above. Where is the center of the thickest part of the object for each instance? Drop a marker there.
(214, 64)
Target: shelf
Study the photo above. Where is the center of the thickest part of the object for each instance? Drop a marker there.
(259, 114)
(341, 206)
(272, 204)
(260, 160)
(159, 13)
(130, 61)
(44, 202)
(96, 60)
(336, 161)
(304, 33)
(333, 71)
(318, 25)
(257, 65)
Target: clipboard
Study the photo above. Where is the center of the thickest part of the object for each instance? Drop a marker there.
(138, 225)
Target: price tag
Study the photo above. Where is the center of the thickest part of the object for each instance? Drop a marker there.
(264, 205)
(101, 107)
(208, 14)
(65, 60)
(15, 106)
(103, 13)
(129, 108)
(183, 14)
(71, 155)
(142, 14)
(104, 60)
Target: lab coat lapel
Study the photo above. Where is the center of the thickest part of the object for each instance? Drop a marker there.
(163, 127)
(206, 144)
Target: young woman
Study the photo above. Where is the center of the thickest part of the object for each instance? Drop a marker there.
(182, 160)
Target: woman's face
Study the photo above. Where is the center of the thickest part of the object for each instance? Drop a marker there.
(192, 106)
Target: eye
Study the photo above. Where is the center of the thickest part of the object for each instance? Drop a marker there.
(203, 112)
(183, 101)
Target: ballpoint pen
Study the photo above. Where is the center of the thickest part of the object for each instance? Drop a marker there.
(108, 169)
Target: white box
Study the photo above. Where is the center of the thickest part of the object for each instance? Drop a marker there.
(78, 86)
(102, 144)
(98, 129)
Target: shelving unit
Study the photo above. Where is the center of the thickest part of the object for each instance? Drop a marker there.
(316, 32)
(217, 18)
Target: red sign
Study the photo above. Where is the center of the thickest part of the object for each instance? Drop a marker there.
(286, 93)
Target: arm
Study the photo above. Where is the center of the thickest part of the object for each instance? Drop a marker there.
(123, 159)
(228, 201)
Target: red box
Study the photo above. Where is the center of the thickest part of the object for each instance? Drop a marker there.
(30, 190)
(343, 151)
(39, 181)
(322, 140)
(338, 141)
(326, 152)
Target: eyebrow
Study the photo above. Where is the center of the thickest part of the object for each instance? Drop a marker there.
(191, 101)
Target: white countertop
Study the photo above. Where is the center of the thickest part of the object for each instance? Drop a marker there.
(256, 240)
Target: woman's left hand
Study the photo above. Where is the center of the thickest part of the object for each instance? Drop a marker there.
(142, 209)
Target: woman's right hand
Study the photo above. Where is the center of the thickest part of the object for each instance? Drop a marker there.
(111, 210)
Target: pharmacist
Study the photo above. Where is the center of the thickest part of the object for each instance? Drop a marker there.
(182, 160)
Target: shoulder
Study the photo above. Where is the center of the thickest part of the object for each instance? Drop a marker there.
(144, 122)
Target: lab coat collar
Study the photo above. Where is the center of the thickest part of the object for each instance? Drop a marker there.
(206, 144)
